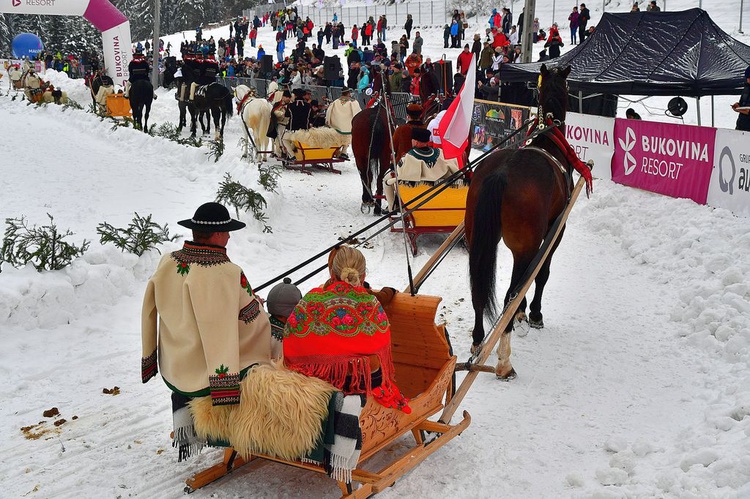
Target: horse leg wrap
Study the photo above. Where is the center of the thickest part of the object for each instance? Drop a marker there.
(193, 86)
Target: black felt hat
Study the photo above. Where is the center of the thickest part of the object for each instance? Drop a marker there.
(212, 217)
(420, 134)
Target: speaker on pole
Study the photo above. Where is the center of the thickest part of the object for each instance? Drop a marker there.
(332, 68)
(266, 64)
(444, 72)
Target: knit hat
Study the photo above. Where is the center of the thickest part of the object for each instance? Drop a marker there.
(282, 298)
(420, 134)
(212, 217)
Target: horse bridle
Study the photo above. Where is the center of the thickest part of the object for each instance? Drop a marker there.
(545, 125)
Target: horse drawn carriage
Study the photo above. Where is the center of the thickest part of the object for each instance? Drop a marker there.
(34, 88)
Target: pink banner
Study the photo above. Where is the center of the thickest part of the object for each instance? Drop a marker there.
(674, 160)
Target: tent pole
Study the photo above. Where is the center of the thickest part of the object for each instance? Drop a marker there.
(742, 7)
(713, 110)
(698, 106)
(580, 102)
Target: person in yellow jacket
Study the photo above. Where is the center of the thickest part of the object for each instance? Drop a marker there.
(202, 326)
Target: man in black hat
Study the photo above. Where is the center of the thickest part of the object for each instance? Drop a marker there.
(203, 327)
(422, 164)
(300, 111)
(743, 105)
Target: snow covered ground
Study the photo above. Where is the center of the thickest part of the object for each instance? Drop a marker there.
(637, 387)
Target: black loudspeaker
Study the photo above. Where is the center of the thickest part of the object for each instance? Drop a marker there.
(266, 64)
(444, 72)
(677, 106)
(332, 68)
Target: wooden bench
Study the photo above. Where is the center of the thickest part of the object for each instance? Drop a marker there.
(307, 156)
(440, 214)
(424, 363)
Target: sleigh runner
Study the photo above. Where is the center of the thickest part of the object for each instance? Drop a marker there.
(424, 364)
(307, 156)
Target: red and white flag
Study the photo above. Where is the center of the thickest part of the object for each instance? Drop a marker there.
(455, 125)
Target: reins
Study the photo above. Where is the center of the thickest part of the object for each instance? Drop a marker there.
(413, 205)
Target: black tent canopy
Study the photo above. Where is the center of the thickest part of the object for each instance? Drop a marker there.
(650, 53)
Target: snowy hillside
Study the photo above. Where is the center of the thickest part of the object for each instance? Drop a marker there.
(637, 387)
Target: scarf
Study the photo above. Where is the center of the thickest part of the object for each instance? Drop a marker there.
(343, 453)
(185, 439)
(331, 334)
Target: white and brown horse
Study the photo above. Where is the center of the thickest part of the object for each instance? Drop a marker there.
(256, 116)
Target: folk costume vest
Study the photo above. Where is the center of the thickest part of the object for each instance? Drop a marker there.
(331, 335)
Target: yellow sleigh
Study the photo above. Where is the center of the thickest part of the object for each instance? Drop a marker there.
(307, 156)
(441, 214)
(118, 106)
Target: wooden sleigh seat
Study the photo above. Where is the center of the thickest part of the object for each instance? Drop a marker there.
(118, 106)
(307, 156)
(424, 365)
(440, 214)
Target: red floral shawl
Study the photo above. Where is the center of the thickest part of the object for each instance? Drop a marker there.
(330, 335)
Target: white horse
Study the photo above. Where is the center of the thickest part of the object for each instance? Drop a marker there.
(256, 116)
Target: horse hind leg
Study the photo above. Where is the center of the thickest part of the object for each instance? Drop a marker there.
(504, 369)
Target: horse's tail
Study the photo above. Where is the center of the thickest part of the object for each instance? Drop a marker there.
(485, 235)
(229, 103)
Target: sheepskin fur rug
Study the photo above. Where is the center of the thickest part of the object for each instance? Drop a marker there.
(280, 413)
(321, 137)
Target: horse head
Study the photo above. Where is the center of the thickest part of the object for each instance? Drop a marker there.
(553, 92)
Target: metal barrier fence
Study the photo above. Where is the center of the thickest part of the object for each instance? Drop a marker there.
(322, 94)
(492, 121)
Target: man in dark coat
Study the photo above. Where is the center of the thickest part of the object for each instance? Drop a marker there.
(300, 111)
(428, 83)
(743, 106)
(138, 69)
(583, 20)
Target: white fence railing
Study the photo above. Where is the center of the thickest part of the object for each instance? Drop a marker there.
(435, 13)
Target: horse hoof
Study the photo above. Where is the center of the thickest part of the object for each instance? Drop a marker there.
(536, 321)
(521, 329)
(520, 316)
(510, 375)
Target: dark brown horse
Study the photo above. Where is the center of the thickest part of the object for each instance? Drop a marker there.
(371, 144)
(516, 195)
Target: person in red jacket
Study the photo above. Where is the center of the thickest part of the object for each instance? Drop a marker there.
(463, 64)
(499, 39)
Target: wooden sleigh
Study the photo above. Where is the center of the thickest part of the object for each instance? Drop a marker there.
(441, 214)
(424, 364)
(306, 157)
(117, 106)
